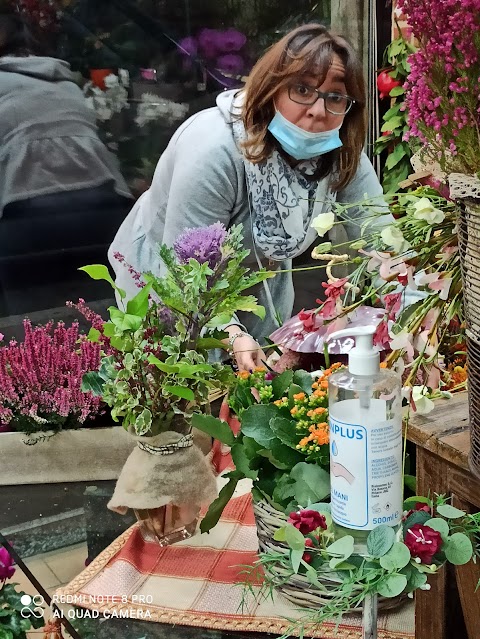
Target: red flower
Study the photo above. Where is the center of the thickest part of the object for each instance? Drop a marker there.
(307, 520)
(308, 320)
(6, 565)
(423, 542)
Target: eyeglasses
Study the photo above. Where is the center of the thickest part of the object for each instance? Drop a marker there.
(335, 103)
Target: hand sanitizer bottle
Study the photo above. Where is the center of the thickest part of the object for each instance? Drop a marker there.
(365, 413)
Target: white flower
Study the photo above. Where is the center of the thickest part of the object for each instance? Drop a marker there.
(152, 108)
(392, 236)
(425, 211)
(111, 81)
(323, 223)
(423, 404)
(124, 77)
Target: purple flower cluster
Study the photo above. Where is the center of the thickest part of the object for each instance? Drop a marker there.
(42, 376)
(218, 48)
(443, 87)
(202, 244)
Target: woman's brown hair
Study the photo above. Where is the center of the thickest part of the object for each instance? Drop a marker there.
(305, 51)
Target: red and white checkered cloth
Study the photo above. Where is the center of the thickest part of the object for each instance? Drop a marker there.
(196, 582)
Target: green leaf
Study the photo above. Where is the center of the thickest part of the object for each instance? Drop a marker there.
(312, 483)
(440, 525)
(92, 382)
(410, 482)
(416, 499)
(279, 534)
(458, 549)
(143, 422)
(393, 123)
(284, 429)
(380, 540)
(397, 557)
(101, 272)
(93, 335)
(392, 585)
(281, 384)
(415, 579)
(296, 559)
(216, 507)
(417, 517)
(124, 321)
(108, 329)
(342, 547)
(294, 390)
(138, 305)
(304, 380)
(214, 427)
(450, 512)
(179, 391)
(396, 91)
(294, 538)
(241, 461)
(395, 156)
(285, 455)
(256, 423)
(208, 343)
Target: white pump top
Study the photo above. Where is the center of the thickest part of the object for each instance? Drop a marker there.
(364, 358)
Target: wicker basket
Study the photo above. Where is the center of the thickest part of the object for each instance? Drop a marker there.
(465, 190)
(298, 589)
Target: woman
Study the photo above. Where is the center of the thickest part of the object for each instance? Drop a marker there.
(271, 157)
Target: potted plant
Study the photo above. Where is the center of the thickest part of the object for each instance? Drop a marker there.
(156, 373)
(18, 614)
(41, 400)
(282, 444)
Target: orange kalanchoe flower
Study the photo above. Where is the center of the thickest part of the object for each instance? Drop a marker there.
(299, 396)
(243, 374)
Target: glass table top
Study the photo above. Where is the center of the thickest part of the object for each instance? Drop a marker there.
(57, 529)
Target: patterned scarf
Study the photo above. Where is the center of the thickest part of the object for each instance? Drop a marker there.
(283, 202)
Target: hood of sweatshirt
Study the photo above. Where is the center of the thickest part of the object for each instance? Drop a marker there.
(229, 103)
(43, 68)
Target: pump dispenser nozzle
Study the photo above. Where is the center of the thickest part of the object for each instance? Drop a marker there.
(364, 358)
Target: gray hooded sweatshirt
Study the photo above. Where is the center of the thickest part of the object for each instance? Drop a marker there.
(200, 179)
(48, 135)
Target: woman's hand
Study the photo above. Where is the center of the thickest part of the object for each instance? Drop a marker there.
(246, 351)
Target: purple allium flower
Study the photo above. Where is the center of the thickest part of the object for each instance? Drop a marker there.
(188, 46)
(230, 63)
(6, 565)
(209, 41)
(202, 244)
(231, 40)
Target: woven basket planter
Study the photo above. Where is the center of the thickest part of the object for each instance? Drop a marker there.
(298, 589)
(465, 190)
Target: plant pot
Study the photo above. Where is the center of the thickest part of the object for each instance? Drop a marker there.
(297, 588)
(165, 481)
(465, 190)
(97, 76)
(70, 455)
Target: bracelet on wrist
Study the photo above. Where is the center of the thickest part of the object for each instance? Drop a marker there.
(232, 338)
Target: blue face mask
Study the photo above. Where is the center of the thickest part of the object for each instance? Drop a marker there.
(301, 144)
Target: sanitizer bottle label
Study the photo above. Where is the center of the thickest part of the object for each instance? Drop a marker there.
(365, 465)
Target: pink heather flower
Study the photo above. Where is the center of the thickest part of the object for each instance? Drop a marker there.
(444, 81)
(209, 42)
(41, 377)
(201, 244)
